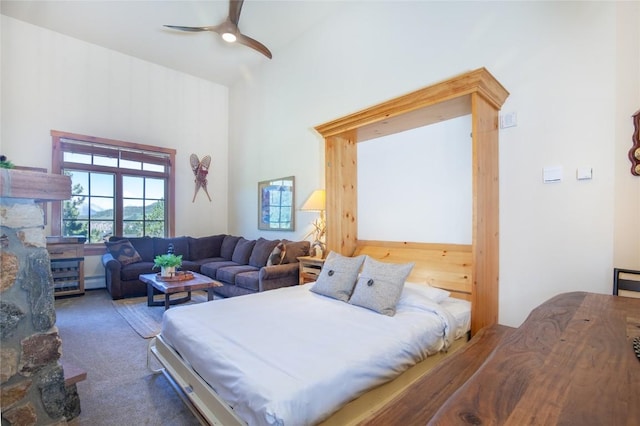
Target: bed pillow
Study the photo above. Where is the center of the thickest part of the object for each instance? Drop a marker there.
(412, 290)
(338, 276)
(123, 251)
(380, 285)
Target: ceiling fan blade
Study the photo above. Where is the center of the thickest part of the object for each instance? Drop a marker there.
(254, 44)
(190, 29)
(235, 7)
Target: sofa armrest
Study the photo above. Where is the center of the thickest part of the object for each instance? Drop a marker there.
(272, 277)
(278, 271)
(112, 268)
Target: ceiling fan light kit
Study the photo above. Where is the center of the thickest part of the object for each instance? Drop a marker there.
(229, 30)
(229, 37)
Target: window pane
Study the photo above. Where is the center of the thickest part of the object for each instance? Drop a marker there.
(128, 164)
(132, 209)
(133, 186)
(76, 158)
(102, 208)
(79, 182)
(153, 167)
(100, 231)
(102, 184)
(99, 160)
(133, 229)
(154, 229)
(154, 188)
(75, 227)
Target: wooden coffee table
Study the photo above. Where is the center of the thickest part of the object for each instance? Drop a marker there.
(198, 282)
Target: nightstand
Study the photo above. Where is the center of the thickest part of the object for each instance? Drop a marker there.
(310, 268)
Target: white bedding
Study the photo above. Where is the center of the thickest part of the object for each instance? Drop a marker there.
(293, 357)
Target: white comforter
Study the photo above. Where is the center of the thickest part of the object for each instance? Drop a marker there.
(293, 357)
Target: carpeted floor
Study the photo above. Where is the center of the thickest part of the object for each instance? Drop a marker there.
(119, 389)
(146, 320)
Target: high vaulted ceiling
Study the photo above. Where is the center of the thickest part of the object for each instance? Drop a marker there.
(135, 28)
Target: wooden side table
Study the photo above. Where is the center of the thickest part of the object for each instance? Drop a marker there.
(310, 268)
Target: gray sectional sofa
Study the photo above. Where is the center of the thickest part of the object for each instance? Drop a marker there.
(242, 266)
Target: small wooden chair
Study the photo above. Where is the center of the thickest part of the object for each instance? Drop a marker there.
(627, 281)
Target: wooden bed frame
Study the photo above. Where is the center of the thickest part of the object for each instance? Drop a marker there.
(469, 272)
(444, 266)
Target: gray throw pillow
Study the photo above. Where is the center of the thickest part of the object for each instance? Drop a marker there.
(380, 285)
(338, 276)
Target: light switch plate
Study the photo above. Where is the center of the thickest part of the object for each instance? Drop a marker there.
(552, 174)
(584, 173)
(508, 120)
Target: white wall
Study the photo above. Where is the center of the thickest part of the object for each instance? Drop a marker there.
(559, 61)
(436, 196)
(51, 81)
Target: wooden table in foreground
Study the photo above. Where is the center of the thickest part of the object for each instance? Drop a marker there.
(198, 282)
(571, 362)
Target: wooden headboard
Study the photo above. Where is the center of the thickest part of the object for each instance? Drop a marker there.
(447, 266)
(471, 270)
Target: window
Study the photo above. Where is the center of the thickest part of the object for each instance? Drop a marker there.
(118, 188)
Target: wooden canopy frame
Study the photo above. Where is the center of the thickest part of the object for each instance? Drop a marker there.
(477, 93)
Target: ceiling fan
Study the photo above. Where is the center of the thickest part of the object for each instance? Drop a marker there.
(229, 30)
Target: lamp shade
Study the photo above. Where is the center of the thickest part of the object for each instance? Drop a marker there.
(315, 202)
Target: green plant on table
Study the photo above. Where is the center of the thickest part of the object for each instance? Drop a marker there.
(167, 260)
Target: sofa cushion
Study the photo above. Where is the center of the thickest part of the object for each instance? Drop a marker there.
(180, 246)
(243, 250)
(210, 269)
(205, 247)
(190, 265)
(228, 274)
(228, 246)
(143, 245)
(276, 257)
(295, 249)
(249, 280)
(261, 251)
(123, 251)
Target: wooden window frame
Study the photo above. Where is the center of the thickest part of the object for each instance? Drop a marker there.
(136, 152)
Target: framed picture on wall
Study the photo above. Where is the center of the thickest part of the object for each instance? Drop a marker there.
(276, 201)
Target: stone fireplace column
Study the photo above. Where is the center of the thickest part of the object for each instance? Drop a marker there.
(31, 378)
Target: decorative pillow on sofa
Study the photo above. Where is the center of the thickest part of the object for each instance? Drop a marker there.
(277, 255)
(261, 252)
(338, 276)
(242, 252)
(380, 285)
(123, 251)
